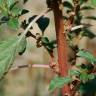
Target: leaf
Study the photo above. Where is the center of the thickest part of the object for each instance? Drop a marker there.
(24, 11)
(83, 1)
(1, 2)
(88, 33)
(16, 11)
(13, 23)
(43, 23)
(53, 44)
(10, 2)
(4, 19)
(84, 77)
(93, 2)
(25, 1)
(87, 8)
(8, 51)
(74, 72)
(13, 5)
(45, 40)
(67, 4)
(49, 45)
(91, 76)
(87, 55)
(22, 48)
(59, 82)
(91, 17)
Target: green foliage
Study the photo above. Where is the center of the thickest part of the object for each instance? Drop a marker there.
(74, 72)
(24, 11)
(59, 82)
(45, 41)
(87, 55)
(13, 23)
(25, 1)
(42, 23)
(16, 11)
(88, 88)
(84, 77)
(49, 45)
(88, 33)
(8, 51)
(93, 2)
(83, 1)
(87, 8)
(84, 73)
(68, 5)
(91, 17)
(10, 12)
(91, 76)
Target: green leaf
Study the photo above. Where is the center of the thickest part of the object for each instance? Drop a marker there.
(43, 23)
(68, 4)
(74, 72)
(87, 8)
(10, 2)
(91, 76)
(45, 40)
(24, 11)
(8, 51)
(22, 47)
(83, 1)
(84, 77)
(91, 17)
(1, 3)
(49, 45)
(59, 82)
(87, 55)
(4, 19)
(13, 23)
(88, 33)
(93, 2)
(25, 1)
(16, 11)
(52, 44)
(14, 4)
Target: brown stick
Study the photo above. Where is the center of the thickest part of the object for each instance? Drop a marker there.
(61, 43)
(30, 65)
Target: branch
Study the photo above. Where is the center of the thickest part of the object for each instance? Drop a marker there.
(76, 27)
(32, 22)
(61, 43)
(30, 66)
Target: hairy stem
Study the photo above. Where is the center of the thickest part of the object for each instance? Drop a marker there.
(61, 43)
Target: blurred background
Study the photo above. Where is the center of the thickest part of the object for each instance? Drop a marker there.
(33, 81)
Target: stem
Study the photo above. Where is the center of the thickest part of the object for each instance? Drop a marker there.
(76, 27)
(61, 43)
(30, 65)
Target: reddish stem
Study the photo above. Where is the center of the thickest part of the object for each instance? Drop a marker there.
(61, 43)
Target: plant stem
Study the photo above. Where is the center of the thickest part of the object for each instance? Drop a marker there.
(61, 43)
(30, 65)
